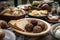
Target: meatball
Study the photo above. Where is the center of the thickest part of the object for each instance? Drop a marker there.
(37, 29)
(29, 27)
(34, 22)
(42, 25)
(3, 24)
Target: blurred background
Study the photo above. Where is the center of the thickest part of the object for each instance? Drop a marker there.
(19, 2)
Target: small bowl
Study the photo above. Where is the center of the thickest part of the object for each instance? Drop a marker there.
(12, 15)
(9, 35)
(52, 29)
(40, 17)
(35, 34)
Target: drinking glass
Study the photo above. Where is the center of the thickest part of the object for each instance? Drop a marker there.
(54, 14)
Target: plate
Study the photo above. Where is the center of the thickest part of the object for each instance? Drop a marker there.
(9, 35)
(40, 17)
(22, 6)
(52, 29)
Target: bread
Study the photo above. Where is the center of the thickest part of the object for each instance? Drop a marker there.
(11, 23)
(3, 24)
(20, 25)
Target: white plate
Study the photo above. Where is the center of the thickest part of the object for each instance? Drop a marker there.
(22, 6)
(9, 35)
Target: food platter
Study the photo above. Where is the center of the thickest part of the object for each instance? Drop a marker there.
(34, 25)
(34, 34)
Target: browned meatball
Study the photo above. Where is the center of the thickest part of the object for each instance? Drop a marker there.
(34, 22)
(3, 24)
(37, 29)
(29, 27)
(42, 25)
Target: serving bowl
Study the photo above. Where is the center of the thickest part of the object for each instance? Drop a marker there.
(12, 13)
(42, 14)
(34, 34)
(52, 30)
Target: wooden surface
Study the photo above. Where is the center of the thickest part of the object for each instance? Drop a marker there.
(22, 37)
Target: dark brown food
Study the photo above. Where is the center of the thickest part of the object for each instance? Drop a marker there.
(53, 19)
(2, 34)
(34, 22)
(45, 6)
(42, 25)
(3, 24)
(29, 27)
(37, 29)
(27, 8)
(2, 39)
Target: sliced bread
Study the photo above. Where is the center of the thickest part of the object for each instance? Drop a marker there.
(20, 25)
(11, 23)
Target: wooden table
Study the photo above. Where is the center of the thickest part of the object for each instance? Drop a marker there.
(22, 37)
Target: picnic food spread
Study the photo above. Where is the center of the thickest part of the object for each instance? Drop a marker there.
(29, 20)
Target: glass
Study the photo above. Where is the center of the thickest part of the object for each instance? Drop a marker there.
(54, 13)
(58, 10)
(55, 6)
(48, 1)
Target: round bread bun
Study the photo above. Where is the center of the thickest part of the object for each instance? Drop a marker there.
(3, 24)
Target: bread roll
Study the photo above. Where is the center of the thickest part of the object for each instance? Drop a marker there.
(3, 24)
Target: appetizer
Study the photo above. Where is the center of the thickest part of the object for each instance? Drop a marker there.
(37, 29)
(26, 25)
(13, 11)
(3, 24)
(41, 5)
(38, 13)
